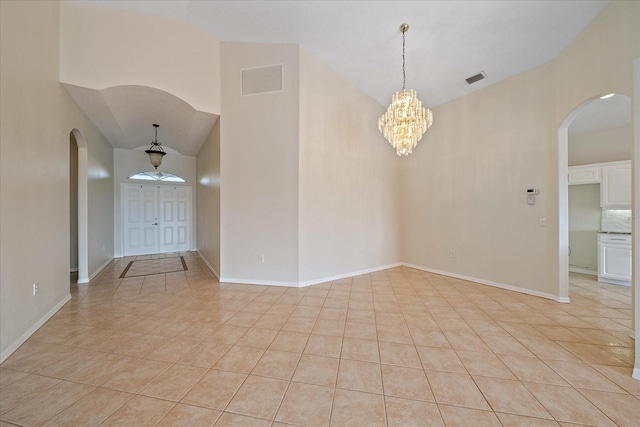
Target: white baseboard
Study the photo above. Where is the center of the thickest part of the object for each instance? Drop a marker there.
(347, 275)
(213, 270)
(385, 267)
(73, 270)
(95, 273)
(490, 283)
(583, 271)
(24, 337)
(614, 282)
(307, 282)
(258, 282)
(636, 373)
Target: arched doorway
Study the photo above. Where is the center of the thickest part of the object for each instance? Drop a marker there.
(608, 120)
(563, 199)
(79, 245)
(598, 116)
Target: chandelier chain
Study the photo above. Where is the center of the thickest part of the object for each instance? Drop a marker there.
(404, 74)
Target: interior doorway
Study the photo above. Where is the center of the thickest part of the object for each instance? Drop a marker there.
(599, 146)
(607, 117)
(156, 219)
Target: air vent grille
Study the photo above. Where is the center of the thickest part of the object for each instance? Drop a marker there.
(258, 81)
(480, 76)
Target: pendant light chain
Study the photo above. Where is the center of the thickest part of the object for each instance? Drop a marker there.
(404, 74)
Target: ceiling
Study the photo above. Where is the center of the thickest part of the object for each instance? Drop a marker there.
(125, 115)
(448, 41)
(602, 114)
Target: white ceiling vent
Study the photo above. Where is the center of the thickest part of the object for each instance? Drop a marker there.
(480, 76)
(257, 81)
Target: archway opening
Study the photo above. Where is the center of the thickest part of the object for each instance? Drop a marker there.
(595, 119)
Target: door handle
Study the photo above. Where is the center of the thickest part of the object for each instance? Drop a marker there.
(155, 223)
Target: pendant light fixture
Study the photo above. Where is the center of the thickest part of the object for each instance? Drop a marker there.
(405, 120)
(155, 151)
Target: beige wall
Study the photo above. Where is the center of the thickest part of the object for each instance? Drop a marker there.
(100, 178)
(610, 145)
(259, 168)
(36, 118)
(598, 61)
(208, 193)
(102, 48)
(306, 180)
(130, 162)
(464, 185)
(349, 189)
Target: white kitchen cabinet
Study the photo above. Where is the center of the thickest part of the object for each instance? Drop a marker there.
(587, 174)
(615, 189)
(614, 258)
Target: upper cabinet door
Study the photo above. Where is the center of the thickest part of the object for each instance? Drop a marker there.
(615, 189)
(588, 174)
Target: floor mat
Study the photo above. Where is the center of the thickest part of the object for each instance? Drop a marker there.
(154, 266)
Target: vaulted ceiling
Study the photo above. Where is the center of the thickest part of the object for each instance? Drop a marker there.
(448, 41)
(125, 115)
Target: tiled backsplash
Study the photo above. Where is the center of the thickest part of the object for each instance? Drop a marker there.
(616, 220)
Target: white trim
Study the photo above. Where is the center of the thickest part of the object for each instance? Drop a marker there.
(24, 337)
(83, 212)
(635, 200)
(563, 207)
(346, 275)
(385, 267)
(490, 283)
(258, 282)
(73, 270)
(583, 271)
(309, 282)
(213, 270)
(98, 270)
(614, 281)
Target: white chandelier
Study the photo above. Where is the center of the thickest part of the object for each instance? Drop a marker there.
(405, 120)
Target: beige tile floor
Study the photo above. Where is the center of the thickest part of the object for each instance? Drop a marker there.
(398, 347)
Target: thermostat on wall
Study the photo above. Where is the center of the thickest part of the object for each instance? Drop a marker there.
(532, 191)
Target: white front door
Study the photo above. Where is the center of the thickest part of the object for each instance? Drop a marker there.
(156, 219)
(175, 215)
